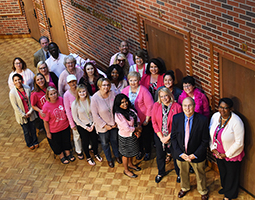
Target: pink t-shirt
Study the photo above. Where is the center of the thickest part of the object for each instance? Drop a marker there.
(55, 115)
(22, 96)
(38, 98)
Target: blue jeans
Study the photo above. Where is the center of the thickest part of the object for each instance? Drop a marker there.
(30, 133)
(106, 138)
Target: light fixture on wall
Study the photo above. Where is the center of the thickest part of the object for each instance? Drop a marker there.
(244, 47)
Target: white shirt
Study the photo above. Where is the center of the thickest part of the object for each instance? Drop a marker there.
(28, 78)
(56, 65)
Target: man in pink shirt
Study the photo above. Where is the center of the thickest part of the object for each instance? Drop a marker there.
(124, 48)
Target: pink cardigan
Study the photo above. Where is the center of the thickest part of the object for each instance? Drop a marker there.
(202, 105)
(157, 116)
(68, 100)
(145, 81)
(143, 103)
(126, 128)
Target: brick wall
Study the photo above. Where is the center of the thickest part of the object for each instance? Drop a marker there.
(228, 22)
(12, 19)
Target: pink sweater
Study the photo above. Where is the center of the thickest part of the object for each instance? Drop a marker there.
(157, 116)
(202, 105)
(145, 81)
(62, 84)
(143, 103)
(68, 100)
(100, 111)
(126, 128)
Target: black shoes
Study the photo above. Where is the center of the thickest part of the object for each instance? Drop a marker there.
(158, 178)
(178, 179)
(132, 176)
(221, 191)
(147, 157)
(136, 169)
(118, 159)
(110, 163)
(191, 170)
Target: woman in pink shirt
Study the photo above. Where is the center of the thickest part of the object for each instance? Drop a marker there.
(129, 129)
(57, 126)
(189, 90)
(153, 79)
(69, 97)
(24, 113)
(101, 109)
(227, 145)
(38, 98)
(162, 115)
(142, 100)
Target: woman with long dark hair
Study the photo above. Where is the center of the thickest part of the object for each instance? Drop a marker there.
(129, 130)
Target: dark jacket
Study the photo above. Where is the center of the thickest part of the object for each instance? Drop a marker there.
(198, 140)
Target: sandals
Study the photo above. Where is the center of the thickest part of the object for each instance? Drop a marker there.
(91, 161)
(70, 157)
(80, 156)
(99, 158)
(64, 160)
(168, 158)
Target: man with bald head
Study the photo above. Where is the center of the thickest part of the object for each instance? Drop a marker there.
(124, 48)
(190, 138)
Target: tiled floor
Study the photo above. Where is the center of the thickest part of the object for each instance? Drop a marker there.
(35, 174)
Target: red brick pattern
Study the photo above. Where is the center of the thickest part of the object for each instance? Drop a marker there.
(12, 24)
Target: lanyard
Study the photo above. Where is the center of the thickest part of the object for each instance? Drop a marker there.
(221, 127)
(25, 97)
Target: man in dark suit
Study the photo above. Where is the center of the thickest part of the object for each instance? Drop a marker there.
(43, 53)
(190, 138)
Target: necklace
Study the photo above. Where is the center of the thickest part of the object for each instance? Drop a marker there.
(107, 104)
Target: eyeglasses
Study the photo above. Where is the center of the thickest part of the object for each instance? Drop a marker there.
(42, 68)
(19, 63)
(223, 108)
(187, 86)
(69, 63)
(119, 60)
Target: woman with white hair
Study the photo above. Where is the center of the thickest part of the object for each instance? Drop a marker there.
(122, 61)
(69, 62)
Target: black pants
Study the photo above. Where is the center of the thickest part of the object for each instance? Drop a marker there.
(86, 137)
(60, 141)
(161, 157)
(146, 138)
(229, 177)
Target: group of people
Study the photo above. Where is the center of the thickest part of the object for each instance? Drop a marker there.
(134, 105)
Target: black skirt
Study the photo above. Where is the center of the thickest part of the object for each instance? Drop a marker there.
(128, 146)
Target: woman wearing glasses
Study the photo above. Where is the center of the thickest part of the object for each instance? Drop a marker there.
(189, 90)
(50, 77)
(140, 65)
(227, 145)
(122, 61)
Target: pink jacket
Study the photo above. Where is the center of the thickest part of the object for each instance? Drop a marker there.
(157, 116)
(68, 100)
(143, 103)
(126, 128)
(145, 81)
(202, 105)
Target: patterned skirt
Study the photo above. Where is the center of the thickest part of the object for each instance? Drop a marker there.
(128, 146)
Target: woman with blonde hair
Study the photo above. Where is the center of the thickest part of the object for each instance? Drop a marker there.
(122, 61)
(50, 77)
(82, 116)
(57, 126)
(101, 109)
(162, 116)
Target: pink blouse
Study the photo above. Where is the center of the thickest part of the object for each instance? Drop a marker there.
(221, 150)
